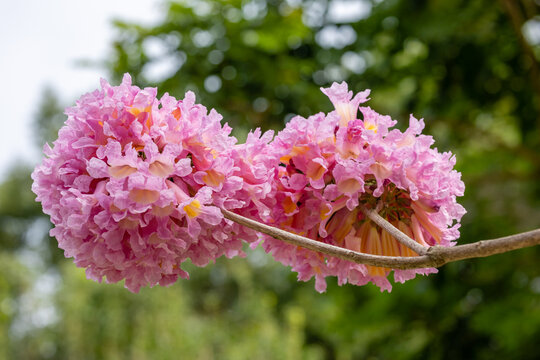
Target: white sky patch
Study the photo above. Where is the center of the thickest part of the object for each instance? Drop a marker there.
(349, 11)
(354, 62)
(164, 59)
(162, 68)
(531, 31)
(41, 43)
(336, 36)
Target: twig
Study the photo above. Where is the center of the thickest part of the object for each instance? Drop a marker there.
(392, 230)
(435, 256)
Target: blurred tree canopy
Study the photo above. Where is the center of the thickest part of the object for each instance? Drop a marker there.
(470, 68)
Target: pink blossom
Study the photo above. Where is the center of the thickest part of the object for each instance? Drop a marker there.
(133, 181)
(345, 104)
(341, 162)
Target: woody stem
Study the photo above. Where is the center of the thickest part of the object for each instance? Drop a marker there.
(434, 256)
(395, 232)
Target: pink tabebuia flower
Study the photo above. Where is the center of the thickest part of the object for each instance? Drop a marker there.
(329, 164)
(133, 181)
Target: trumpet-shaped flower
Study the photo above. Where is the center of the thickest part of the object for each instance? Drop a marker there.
(329, 164)
(132, 184)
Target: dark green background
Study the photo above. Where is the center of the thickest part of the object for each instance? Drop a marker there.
(464, 66)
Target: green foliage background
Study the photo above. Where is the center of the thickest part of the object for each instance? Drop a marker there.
(464, 66)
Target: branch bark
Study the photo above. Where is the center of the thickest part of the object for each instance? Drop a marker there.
(395, 232)
(434, 256)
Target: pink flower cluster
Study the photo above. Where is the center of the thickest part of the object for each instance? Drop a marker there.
(135, 186)
(331, 163)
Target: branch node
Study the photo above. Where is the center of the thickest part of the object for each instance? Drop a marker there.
(436, 255)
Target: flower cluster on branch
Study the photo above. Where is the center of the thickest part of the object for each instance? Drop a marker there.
(136, 185)
(331, 164)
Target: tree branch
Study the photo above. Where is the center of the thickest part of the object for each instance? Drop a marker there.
(435, 256)
(395, 232)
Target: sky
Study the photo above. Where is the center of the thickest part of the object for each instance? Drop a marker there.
(41, 44)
